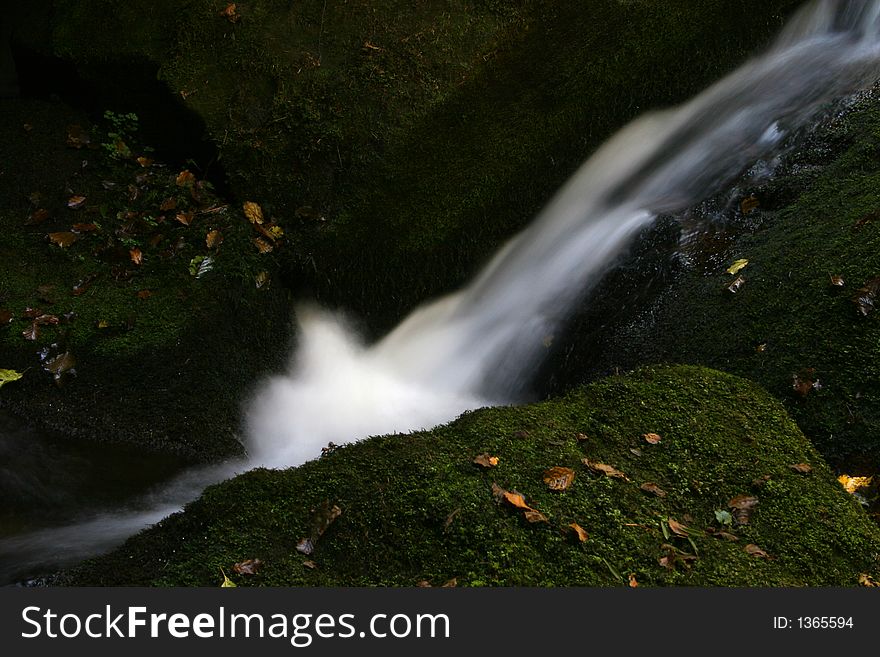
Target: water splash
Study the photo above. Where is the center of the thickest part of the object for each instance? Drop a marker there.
(481, 344)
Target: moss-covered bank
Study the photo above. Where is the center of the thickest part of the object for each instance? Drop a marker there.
(415, 508)
(789, 325)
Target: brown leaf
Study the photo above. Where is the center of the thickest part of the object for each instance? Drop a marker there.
(63, 238)
(720, 533)
(605, 469)
(533, 516)
(450, 518)
(5, 317)
(804, 381)
(136, 255)
(247, 567)
(185, 217)
(229, 13)
(423, 584)
(32, 332)
(253, 212)
(322, 518)
(652, 438)
(579, 532)
(185, 178)
(581, 437)
(60, 365)
(558, 478)
(76, 202)
(84, 284)
(144, 161)
(46, 320)
(311, 565)
(213, 238)
(305, 546)
(676, 527)
(261, 279)
(486, 461)
(749, 203)
(802, 468)
(84, 228)
(450, 584)
(38, 216)
(867, 295)
(736, 285)
(145, 294)
(168, 204)
(651, 487)
(632, 581)
(742, 506)
(836, 280)
(755, 551)
(262, 245)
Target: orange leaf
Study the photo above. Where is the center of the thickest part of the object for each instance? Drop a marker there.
(515, 499)
(262, 245)
(651, 487)
(63, 239)
(486, 461)
(213, 238)
(605, 469)
(652, 438)
(579, 532)
(136, 255)
(185, 217)
(185, 178)
(144, 161)
(558, 478)
(253, 212)
(632, 581)
(852, 484)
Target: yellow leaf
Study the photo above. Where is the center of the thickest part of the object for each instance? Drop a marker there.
(852, 484)
(227, 583)
(253, 212)
(737, 265)
(7, 376)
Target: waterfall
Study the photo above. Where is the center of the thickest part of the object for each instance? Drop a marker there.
(477, 346)
(480, 345)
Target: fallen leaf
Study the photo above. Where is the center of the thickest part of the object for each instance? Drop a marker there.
(651, 487)
(310, 564)
(136, 255)
(632, 581)
(229, 13)
(227, 583)
(63, 239)
(8, 376)
(185, 217)
(47, 320)
(213, 238)
(720, 533)
(60, 365)
(581, 437)
(423, 584)
(837, 280)
(305, 546)
(450, 584)
(749, 203)
(737, 265)
(635, 451)
(247, 567)
(450, 518)
(605, 469)
(742, 506)
(168, 204)
(677, 528)
(84, 284)
(735, 286)
(579, 532)
(486, 461)
(253, 212)
(145, 294)
(6, 317)
(321, 519)
(185, 178)
(262, 279)
(652, 438)
(84, 228)
(802, 468)
(533, 516)
(76, 202)
(515, 500)
(867, 580)
(558, 478)
(38, 216)
(755, 551)
(31, 333)
(866, 296)
(144, 161)
(805, 381)
(760, 481)
(262, 245)
(852, 484)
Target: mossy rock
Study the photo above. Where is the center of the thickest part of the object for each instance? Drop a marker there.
(416, 508)
(789, 324)
(417, 132)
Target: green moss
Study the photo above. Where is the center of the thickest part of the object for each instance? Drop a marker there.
(817, 219)
(415, 507)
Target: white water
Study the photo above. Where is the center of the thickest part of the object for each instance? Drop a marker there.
(479, 345)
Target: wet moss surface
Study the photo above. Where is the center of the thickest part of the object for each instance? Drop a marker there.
(415, 508)
(789, 325)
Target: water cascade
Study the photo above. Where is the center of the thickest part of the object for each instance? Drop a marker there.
(479, 345)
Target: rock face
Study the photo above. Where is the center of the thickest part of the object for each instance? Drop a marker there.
(629, 460)
(802, 322)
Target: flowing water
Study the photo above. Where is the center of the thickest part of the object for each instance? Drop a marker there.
(480, 345)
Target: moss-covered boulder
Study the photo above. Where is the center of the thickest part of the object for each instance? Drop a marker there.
(803, 322)
(429, 134)
(759, 505)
